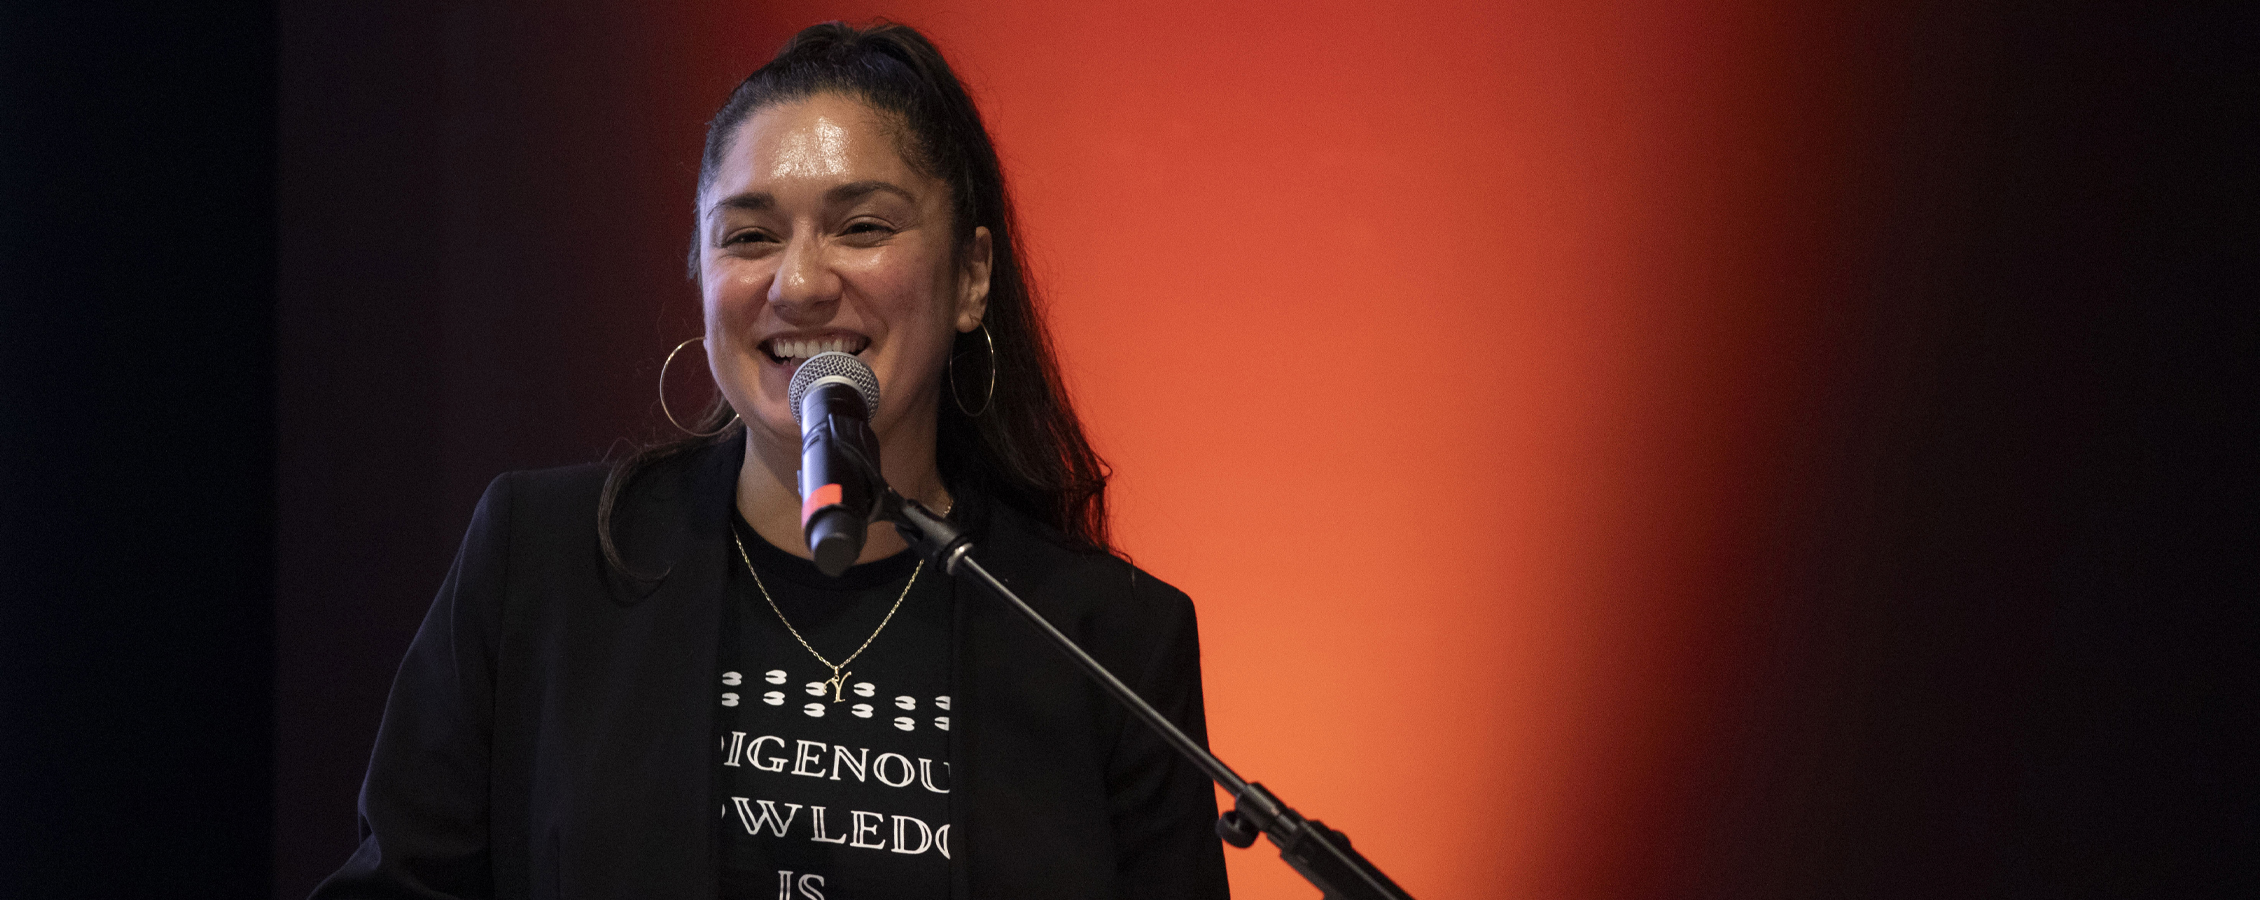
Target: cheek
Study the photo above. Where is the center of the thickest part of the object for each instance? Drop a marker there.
(731, 296)
(911, 288)
(890, 279)
(731, 300)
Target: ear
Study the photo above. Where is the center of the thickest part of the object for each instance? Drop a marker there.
(973, 281)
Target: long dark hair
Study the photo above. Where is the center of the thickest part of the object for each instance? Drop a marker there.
(1026, 449)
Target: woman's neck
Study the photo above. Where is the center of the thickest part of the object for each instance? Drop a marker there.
(769, 499)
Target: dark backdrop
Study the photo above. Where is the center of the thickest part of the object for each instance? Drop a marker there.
(137, 247)
(2007, 652)
(467, 286)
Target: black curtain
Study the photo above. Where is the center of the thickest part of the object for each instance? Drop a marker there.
(2009, 657)
(137, 448)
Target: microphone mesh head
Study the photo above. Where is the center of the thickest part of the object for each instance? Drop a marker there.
(833, 364)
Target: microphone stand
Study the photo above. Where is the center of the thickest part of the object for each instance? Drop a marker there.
(1320, 854)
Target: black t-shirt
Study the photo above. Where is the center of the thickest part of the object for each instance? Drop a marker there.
(847, 798)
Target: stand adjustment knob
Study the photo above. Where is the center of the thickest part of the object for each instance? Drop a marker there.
(1235, 829)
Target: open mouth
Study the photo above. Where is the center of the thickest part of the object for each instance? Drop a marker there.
(788, 349)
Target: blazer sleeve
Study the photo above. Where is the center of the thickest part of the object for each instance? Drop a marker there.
(1163, 807)
(424, 803)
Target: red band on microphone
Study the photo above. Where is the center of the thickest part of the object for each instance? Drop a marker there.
(823, 496)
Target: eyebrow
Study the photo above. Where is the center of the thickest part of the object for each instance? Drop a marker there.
(857, 190)
(763, 201)
(757, 202)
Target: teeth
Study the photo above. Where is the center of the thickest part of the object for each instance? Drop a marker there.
(803, 348)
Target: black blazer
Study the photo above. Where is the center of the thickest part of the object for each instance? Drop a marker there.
(550, 732)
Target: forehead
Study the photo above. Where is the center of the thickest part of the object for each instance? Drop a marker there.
(820, 140)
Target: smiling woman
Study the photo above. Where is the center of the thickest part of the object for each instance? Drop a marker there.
(577, 707)
(883, 103)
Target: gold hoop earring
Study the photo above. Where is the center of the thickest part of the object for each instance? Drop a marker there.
(663, 395)
(987, 398)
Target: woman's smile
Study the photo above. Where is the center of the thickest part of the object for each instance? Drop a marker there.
(784, 349)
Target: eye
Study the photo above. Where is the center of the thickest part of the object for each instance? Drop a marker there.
(867, 230)
(749, 236)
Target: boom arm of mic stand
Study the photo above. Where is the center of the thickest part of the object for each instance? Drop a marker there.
(1320, 854)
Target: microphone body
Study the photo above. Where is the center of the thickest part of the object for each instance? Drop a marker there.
(833, 395)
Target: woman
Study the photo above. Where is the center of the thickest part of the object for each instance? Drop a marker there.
(634, 682)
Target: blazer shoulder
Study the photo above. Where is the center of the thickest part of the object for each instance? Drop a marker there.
(549, 500)
(1101, 581)
(583, 480)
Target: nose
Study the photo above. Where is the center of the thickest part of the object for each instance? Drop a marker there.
(805, 288)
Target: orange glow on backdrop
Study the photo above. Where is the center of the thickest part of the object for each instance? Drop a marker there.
(1441, 352)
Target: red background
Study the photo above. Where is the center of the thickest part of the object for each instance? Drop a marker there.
(1442, 353)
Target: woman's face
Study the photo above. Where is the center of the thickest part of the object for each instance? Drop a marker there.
(816, 235)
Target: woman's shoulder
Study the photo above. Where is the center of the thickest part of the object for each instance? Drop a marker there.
(572, 495)
(544, 498)
(558, 483)
(556, 522)
(1047, 560)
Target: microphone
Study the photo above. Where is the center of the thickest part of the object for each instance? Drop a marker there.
(833, 395)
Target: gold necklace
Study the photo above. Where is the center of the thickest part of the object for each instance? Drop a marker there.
(838, 681)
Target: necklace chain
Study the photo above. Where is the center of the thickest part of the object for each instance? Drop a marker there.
(838, 681)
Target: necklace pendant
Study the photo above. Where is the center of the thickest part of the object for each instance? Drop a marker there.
(839, 682)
